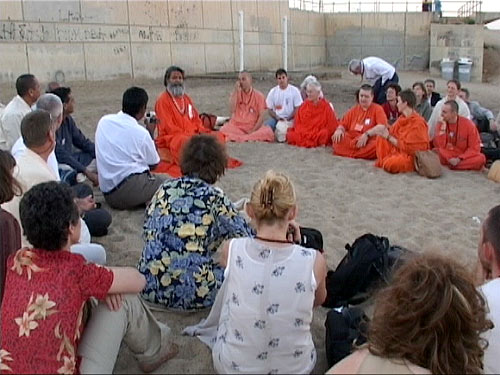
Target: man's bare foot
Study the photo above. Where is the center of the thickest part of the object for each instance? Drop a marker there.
(172, 351)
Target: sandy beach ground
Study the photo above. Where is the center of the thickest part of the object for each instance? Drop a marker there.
(343, 198)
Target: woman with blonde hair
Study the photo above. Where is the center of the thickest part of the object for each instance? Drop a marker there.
(260, 322)
(429, 320)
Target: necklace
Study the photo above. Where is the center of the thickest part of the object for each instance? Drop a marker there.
(271, 240)
(451, 136)
(243, 94)
(177, 105)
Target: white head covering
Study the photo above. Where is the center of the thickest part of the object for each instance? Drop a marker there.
(307, 80)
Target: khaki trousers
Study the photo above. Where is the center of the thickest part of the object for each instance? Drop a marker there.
(145, 336)
(136, 191)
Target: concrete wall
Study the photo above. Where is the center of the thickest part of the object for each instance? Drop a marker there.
(90, 40)
(455, 41)
(400, 38)
(492, 38)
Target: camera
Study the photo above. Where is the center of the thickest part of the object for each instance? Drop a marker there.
(151, 117)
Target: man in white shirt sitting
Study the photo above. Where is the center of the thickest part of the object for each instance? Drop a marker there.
(52, 104)
(39, 135)
(125, 153)
(453, 87)
(488, 277)
(283, 100)
(379, 74)
(28, 92)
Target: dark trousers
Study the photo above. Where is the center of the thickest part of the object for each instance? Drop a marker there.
(379, 90)
(98, 221)
(483, 125)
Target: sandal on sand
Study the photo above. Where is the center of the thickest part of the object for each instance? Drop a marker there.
(173, 350)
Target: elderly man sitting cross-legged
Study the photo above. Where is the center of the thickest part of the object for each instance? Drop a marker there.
(315, 120)
(179, 121)
(248, 107)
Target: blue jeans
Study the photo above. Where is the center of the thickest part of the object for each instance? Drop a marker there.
(68, 175)
(271, 122)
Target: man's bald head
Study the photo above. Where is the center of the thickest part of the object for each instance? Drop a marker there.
(245, 79)
(245, 73)
(449, 112)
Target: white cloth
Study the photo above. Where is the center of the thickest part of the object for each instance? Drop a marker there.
(19, 147)
(30, 170)
(281, 130)
(10, 122)
(283, 102)
(123, 147)
(375, 67)
(491, 360)
(92, 252)
(463, 110)
(260, 321)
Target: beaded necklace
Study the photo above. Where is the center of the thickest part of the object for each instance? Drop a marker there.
(183, 111)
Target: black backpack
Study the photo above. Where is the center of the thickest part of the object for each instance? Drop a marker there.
(368, 263)
(311, 238)
(345, 328)
(489, 146)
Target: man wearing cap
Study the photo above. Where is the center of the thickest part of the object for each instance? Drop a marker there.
(379, 73)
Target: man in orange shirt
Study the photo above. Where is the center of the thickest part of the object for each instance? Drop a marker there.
(248, 108)
(178, 122)
(350, 139)
(396, 146)
(457, 140)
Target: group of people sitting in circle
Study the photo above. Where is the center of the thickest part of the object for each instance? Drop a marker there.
(390, 132)
(63, 311)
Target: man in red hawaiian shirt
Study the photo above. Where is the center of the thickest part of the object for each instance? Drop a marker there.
(47, 288)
